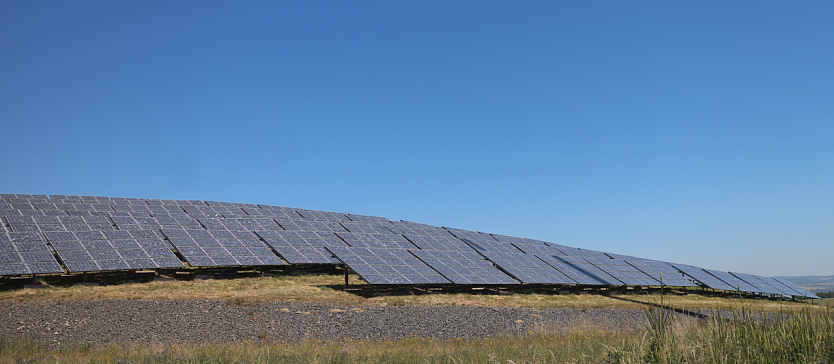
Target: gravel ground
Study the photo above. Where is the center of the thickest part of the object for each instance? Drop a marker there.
(198, 321)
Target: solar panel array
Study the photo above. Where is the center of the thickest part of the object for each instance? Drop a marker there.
(42, 234)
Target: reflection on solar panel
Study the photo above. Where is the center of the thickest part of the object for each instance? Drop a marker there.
(322, 215)
(463, 267)
(537, 247)
(802, 291)
(660, 271)
(302, 247)
(758, 283)
(370, 227)
(311, 225)
(780, 286)
(278, 212)
(623, 271)
(577, 252)
(203, 248)
(366, 218)
(416, 228)
(732, 281)
(427, 237)
(91, 251)
(527, 268)
(438, 242)
(387, 266)
(579, 270)
(703, 277)
(482, 241)
(25, 253)
(376, 240)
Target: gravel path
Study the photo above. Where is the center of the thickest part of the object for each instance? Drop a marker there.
(197, 321)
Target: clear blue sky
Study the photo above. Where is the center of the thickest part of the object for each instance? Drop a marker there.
(694, 132)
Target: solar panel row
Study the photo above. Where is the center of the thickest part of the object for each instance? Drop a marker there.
(92, 233)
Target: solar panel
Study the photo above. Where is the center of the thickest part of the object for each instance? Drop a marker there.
(378, 240)
(311, 225)
(281, 212)
(758, 283)
(438, 242)
(22, 254)
(661, 272)
(577, 252)
(225, 252)
(89, 251)
(623, 271)
(704, 278)
(802, 291)
(482, 241)
(579, 270)
(302, 247)
(463, 267)
(367, 218)
(322, 215)
(527, 268)
(528, 246)
(732, 281)
(780, 286)
(385, 266)
(370, 227)
(408, 227)
(83, 226)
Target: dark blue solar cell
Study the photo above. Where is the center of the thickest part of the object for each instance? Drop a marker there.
(81, 266)
(152, 243)
(163, 262)
(44, 267)
(112, 265)
(13, 269)
(140, 263)
(27, 246)
(10, 257)
(125, 244)
(36, 256)
(74, 255)
(133, 253)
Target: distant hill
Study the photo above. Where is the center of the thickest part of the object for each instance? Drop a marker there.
(814, 284)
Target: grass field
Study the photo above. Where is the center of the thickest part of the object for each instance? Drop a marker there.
(324, 288)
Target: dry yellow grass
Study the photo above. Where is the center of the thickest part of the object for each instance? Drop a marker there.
(327, 289)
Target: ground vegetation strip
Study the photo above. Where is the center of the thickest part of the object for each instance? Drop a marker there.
(328, 288)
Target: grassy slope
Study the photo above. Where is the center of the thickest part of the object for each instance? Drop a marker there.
(328, 289)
